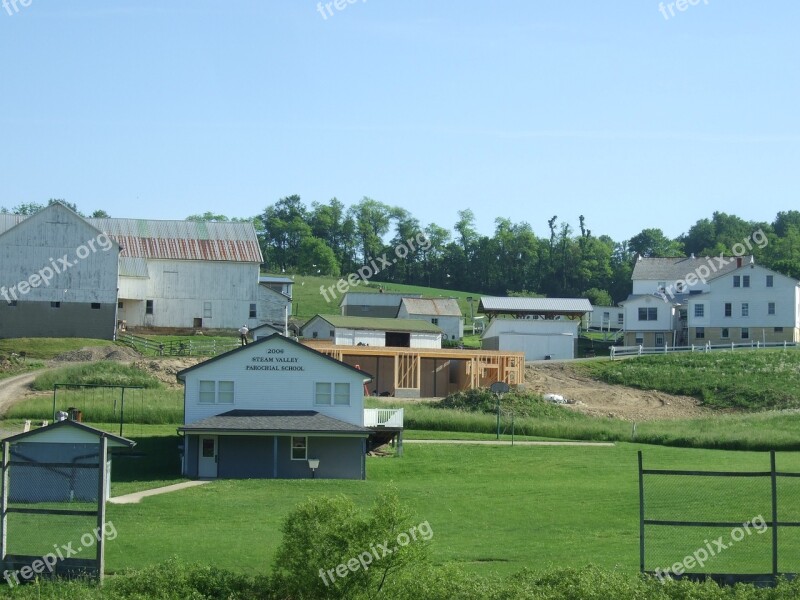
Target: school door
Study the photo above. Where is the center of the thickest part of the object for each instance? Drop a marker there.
(207, 458)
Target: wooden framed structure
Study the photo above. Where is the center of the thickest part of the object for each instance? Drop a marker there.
(427, 373)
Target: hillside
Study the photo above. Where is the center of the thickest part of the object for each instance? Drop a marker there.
(308, 299)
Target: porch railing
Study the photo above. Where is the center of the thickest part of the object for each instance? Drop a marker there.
(383, 417)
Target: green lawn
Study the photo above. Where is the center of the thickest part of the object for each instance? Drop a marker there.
(745, 379)
(47, 348)
(492, 509)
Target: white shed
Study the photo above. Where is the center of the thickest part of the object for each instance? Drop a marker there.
(539, 339)
(373, 331)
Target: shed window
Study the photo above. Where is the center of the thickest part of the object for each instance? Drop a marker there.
(322, 394)
(341, 394)
(299, 448)
(435, 321)
(207, 392)
(148, 307)
(12, 303)
(95, 306)
(778, 330)
(55, 305)
(120, 305)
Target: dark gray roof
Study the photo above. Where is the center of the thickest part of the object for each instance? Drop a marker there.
(297, 421)
(677, 268)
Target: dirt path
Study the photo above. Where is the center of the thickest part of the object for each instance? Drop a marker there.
(14, 389)
(602, 399)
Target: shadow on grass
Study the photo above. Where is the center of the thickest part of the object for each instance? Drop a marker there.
(152, 459)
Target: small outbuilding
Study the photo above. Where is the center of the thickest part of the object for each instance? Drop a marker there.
(373, 331)
(59, 463)
(442, 312)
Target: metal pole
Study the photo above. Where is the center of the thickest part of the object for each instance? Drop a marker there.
(4, 502)
(55, 387)
(498, 417)
(641, 515)
(101, 505)
(774, 514)
(122, 412)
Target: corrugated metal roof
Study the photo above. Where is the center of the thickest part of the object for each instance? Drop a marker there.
(676, 269)
(176, 240)
(534, 305)
(133, 267)
(183, 240)
(379, 324)
(446, 307)
(273, 279)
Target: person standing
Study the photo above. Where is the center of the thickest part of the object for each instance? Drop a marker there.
(243, 331)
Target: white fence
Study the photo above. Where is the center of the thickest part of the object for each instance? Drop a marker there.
(383, 417)
(641, 350)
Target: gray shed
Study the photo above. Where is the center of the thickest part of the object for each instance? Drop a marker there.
(50, 463)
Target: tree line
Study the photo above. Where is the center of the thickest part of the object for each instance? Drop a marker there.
(334, 240)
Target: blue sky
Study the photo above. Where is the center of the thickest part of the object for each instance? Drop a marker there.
(521, 109)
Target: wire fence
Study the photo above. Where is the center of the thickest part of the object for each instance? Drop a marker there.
(727, 525)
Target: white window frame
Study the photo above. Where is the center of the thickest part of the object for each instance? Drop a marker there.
(292, 446)
(699, 310)
(341, 392)
(206, 392)
(639, 338)
(745, 309)
(218, 392)
(700, 333)
(319, 393)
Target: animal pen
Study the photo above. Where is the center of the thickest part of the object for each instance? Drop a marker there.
(55, 483)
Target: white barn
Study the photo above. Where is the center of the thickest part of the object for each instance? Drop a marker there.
(539, 339)
(373, 331)
(177, 274)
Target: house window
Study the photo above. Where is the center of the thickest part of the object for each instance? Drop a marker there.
(700, 333)
(620, 319)
(148, 307)
(299, 448)
(725, 334)
(728, 309)
(745, 280)
(322, 394)
(341, 394)
(737, 281)
(699, 310)
(435, 321)
(648, 314)
(207, 392)
(55, 305)
(745, 333)
(253, 311)
(206, 310)
(95, 306)
(212, 392)
(639, 338)
(770, 281)
(659, 339)
(771, 308)
(120, 305)
(778, 330)
(745, 309)
(225, 392)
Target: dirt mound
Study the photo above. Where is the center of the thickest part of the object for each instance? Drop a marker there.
(596, 398)
(95, 353)
(166, 369)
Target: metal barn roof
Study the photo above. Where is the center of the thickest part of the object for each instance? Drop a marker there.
(446, 307)
(563, 306)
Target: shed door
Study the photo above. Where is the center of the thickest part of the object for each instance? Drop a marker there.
(207, 456)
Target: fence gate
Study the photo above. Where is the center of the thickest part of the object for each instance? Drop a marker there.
(729, 526)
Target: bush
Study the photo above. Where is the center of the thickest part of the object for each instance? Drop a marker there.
(522, 404)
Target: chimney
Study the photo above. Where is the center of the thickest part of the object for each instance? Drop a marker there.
(738, 261)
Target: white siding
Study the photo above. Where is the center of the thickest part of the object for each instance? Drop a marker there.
(665, 314)
(275, 390)
(353, 337)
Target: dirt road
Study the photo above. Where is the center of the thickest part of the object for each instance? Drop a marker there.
(601, 399)
(15, 388)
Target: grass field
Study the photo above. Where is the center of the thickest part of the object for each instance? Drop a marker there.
(492, 509)
(747, 379)
(47, 348)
